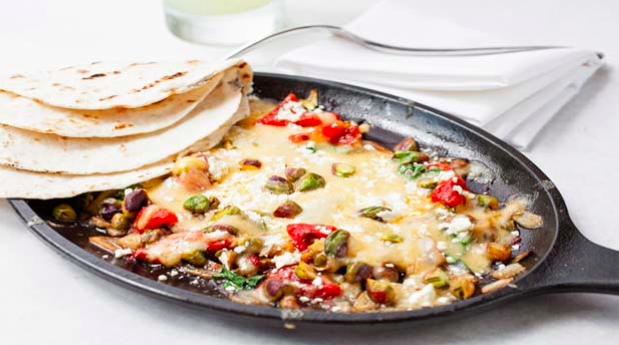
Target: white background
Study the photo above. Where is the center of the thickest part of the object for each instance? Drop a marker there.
(46, 299)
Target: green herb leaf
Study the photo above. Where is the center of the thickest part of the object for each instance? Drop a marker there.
(411, 171)
(238, 282)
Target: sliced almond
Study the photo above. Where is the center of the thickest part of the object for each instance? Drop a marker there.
(496, 285)
(508, 271)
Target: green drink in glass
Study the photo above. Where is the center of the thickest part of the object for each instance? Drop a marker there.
(223, 22)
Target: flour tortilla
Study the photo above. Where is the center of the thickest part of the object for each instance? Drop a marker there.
(27, 150)
(21, 112)
(35, 185)
(105, 85)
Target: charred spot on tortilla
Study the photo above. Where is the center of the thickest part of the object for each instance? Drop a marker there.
(153, 84)
(15, 76)
(123, 125)
(107, 98)
(93, 76)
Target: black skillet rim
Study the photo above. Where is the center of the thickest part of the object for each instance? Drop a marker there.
(136, 282)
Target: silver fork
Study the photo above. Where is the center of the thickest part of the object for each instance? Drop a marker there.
(345, 34)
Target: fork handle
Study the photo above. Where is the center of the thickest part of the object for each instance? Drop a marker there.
(391, 49)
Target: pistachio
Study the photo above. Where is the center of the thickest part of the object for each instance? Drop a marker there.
(364, 303)
(310, 181)
(311, 102)
(64, 213)
(380, 292)
(498, 251)
(276, 289)
(109, 207)
(357, 272)
(226, 211)
(411, 156)
(487, 201)
(373, 212)
(288, 209)
(197, 204)
(185, 164)
(407, 144)
(250, 164)
(223, 227)
(213, 202)
(336, 244)
(392, 238)
(462, 286)
(305, 271)
(195, 258)
(252, 245)
(436, 277)
(342, 169)
(321, 260)
(427, 183)
(387, 272)
(120, 222)
(293, 174)
(279, 185)
(134, 201)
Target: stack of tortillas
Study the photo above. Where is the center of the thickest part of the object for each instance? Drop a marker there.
(109, 125)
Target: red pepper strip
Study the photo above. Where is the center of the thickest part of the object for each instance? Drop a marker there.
(350, 136)
(309, 120)
(442, 166)
(217, 246)
(269, 119)
(303, 235)
(326, 290)
(340, 134)
(153, 217)
(446, 194)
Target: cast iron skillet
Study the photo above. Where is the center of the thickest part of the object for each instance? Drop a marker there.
(564, 260)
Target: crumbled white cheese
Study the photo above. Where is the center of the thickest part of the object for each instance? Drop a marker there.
(445, 175)
(162, 278)
(317, 282)
(424, 297)
(290, 111)
(286, 259)
(239, 249)
(304, 299)
(441, 245)
(217, 168)
(387, 216)
(173, 273)
(458, 189)
(457, 225)
(119, 253)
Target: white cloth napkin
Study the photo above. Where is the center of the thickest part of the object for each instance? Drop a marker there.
(511, 95)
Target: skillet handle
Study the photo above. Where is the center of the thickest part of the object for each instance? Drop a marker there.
(576, 264)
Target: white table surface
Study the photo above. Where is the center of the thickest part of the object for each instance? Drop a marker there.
(46, 299)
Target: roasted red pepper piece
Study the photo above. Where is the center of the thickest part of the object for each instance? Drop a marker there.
(309, 120)
(326, 289)
(269, 119)
(217, 246)
(303, 235)
(339, 133)
(153, 217)
(446, 195)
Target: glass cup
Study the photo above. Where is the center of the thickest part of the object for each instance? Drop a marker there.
(223, 22)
